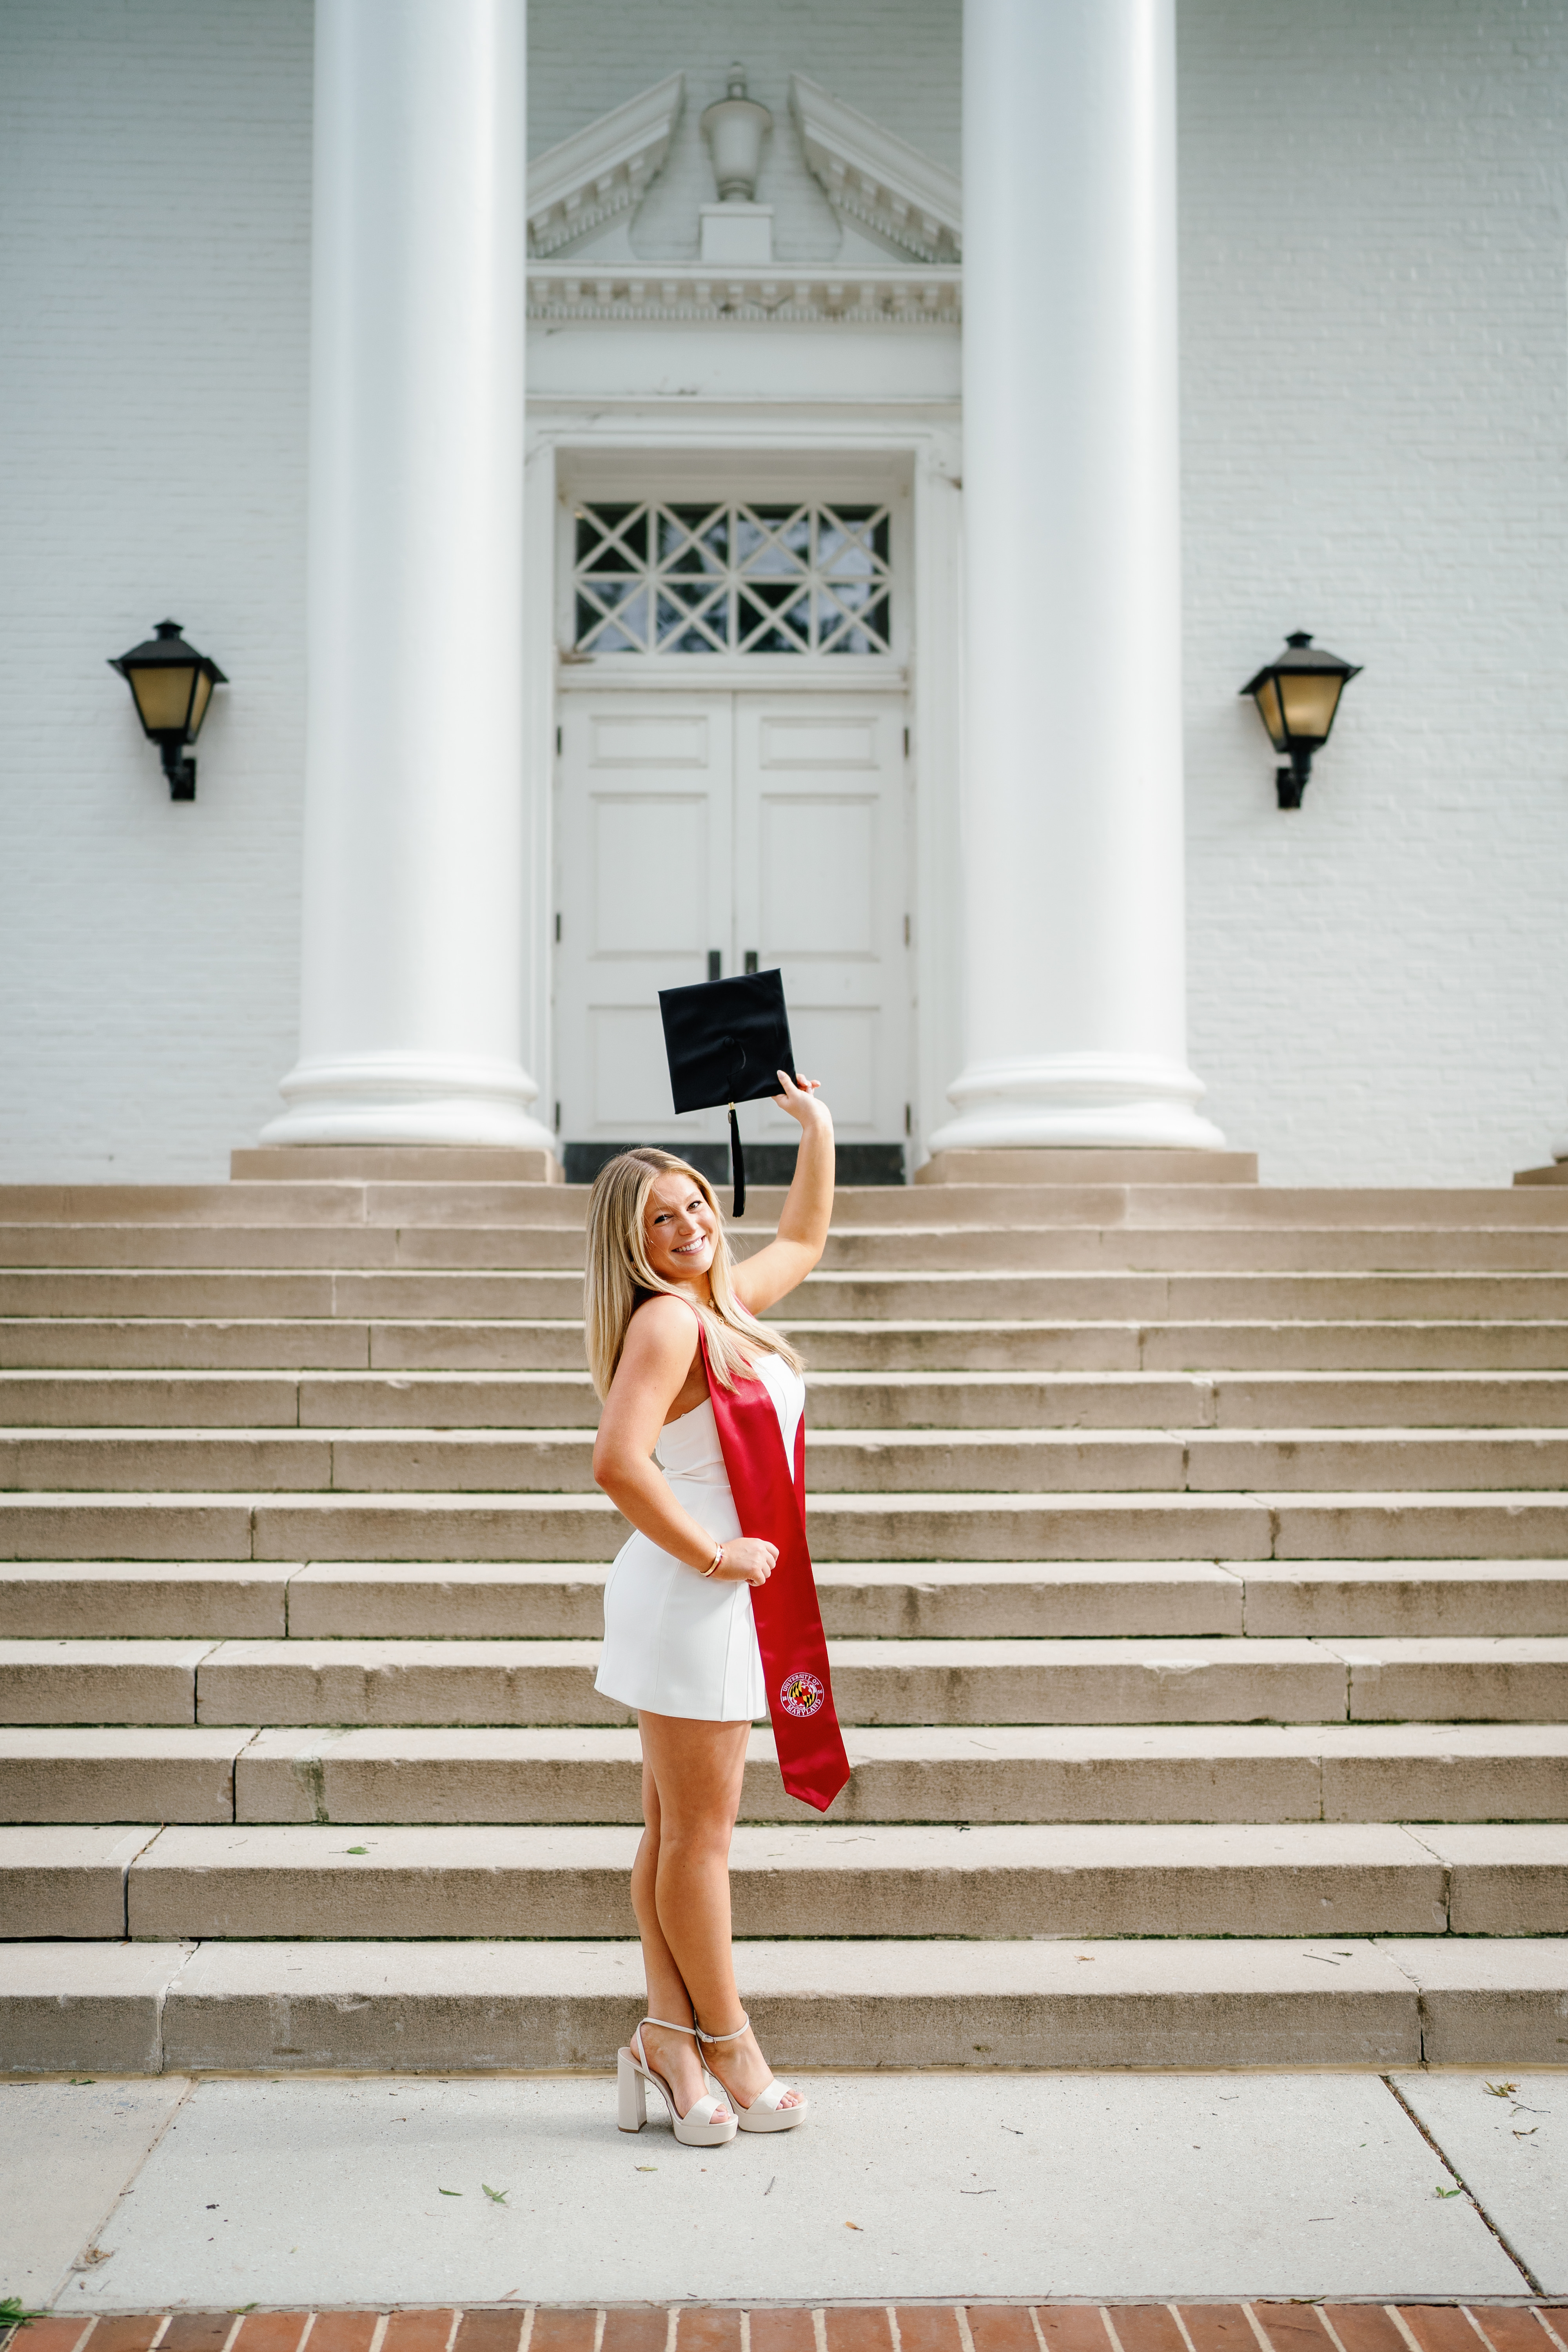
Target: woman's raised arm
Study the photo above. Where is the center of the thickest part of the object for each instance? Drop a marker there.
(807, 1210)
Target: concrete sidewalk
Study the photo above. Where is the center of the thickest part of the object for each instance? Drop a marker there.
(334, 2191)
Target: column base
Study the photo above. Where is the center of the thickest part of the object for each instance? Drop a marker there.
(1104, 1101)
(1557, 1173)
(410, 1098)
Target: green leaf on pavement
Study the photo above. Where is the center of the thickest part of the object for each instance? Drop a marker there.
(448, 2192)
(496, 2196)
(1447, 2192)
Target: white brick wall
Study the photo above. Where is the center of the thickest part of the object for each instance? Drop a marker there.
(154, 178)
(1374, 243)
(1375, 378)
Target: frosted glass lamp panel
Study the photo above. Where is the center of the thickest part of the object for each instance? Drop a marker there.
(818, 879)
(650, 872)
(162, 691)
(1311, 699)
(1267, 698)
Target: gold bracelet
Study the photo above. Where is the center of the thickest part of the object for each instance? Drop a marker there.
(718, 1562)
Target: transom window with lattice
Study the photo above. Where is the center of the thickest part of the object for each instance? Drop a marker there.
(734, 578)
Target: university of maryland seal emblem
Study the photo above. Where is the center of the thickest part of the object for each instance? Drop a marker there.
(801, 1694)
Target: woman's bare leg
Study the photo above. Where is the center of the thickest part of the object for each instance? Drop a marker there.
(673, 2055)
(680, 1891)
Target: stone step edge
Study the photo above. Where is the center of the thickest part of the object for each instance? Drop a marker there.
(421, 1499)
(909, 1528)
(940, 1327)
(274, 2007)
(1204, 1436)
(62, 1776)
(957, 1883)
(965, 1574)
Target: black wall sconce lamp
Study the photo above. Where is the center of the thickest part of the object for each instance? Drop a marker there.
(171, 685)
(1297, 696)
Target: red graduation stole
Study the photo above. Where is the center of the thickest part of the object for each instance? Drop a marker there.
(771, 1505)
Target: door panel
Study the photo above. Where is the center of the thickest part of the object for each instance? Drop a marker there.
(821, 885)
(643, 889)
(730, 822)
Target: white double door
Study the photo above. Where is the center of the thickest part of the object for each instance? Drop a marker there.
(705, 833)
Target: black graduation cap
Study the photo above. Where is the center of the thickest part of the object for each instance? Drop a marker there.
(727, 1041)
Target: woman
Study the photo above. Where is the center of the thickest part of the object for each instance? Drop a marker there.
(665, 1305)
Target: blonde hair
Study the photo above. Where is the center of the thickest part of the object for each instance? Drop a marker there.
(620, 1277)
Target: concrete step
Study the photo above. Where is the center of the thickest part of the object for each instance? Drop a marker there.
(1348, 1249)
(344, 1205)
(1006, 1346)
(402, 1293)
(944, 1600)
(851, 1462)
(277, 2007)
(196, 1881)
(347, 1204)
(1368, 1679)
(133, 1772)
(384, 1294)
(931, 1247)
(1351, 1298)
(1000, 1773)
(93, 1344)
(1514, 1524)
(838, 1400)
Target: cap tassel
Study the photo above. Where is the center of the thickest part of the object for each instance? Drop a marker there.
(737, 1165)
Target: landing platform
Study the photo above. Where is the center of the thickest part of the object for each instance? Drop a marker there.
(211, 2195)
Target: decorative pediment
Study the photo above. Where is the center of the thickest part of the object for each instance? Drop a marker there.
(873, 178)
(602, 170)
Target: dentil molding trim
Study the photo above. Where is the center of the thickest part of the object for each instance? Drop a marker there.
(877, 179)
(604, 169)
(890, 296)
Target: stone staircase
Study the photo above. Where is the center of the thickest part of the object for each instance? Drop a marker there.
(1195, 1559)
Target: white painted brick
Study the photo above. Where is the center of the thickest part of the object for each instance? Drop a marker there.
(155, 182)
(1374, 242)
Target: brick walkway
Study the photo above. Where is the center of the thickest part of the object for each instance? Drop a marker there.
(918, 2327)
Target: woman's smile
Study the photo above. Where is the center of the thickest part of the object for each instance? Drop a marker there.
(678, 1229)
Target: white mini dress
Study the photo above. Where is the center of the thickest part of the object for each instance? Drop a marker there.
(678, 1642)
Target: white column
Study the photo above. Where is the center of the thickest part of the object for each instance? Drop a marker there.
(412, 953)
(1074, 1017)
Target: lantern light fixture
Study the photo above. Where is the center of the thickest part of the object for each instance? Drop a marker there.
(1297, 694)
(170, 683)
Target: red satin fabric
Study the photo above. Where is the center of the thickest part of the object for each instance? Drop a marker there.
(771, 1505)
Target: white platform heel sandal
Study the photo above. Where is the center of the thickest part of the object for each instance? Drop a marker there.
(697, 2128)
(765, 2114)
